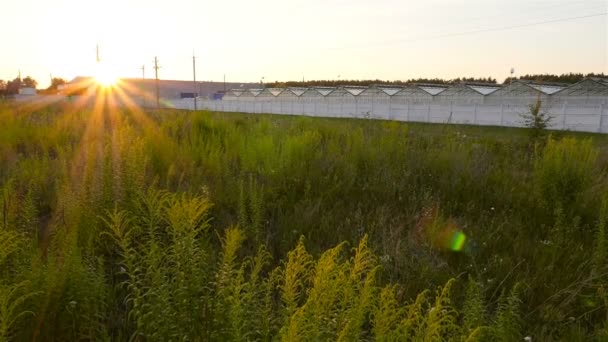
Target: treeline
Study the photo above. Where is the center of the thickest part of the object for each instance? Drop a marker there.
(563, 78)
(9, 87)
(12, 87)
(366, 83)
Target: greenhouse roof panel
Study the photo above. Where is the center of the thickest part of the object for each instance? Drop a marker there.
(601, 80)
(390, 91)
(325, 91)
(484, 90)
(547, 89)
(432, 90)
(275, 91)
(298, 91)
(354, 91)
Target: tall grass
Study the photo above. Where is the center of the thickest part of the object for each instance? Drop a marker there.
(201, 226)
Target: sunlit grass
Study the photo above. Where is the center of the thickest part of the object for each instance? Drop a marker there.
(125, 223)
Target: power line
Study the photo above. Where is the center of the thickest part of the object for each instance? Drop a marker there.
(536, 9)
(457, 34)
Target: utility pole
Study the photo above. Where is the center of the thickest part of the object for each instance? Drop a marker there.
(224, 83)
(194, 77)
(156, 67)
(143, 85)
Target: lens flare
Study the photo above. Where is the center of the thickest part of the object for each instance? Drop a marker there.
(458, 241)
(441, 233)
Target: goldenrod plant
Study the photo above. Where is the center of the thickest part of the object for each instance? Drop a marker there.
(128, 225)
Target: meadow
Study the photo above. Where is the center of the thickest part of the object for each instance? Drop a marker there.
(120, 225)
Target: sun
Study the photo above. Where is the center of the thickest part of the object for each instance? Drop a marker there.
(105, 80)
(105, 76)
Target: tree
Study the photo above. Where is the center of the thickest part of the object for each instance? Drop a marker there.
(12, 87)
(29, 82)
(55, 83)
(2, 87)
(537, 119)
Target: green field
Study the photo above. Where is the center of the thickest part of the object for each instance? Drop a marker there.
(171, 225)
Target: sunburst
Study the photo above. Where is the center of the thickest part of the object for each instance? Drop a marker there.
(105, 76)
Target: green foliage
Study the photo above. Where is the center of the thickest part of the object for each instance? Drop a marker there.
(297, 274)
(564, 172)
(9, 244)
(473, 309)
(12, 298)
(118, 225)
(537, 119)
(508, 320)
(600, 251)
(442, 317)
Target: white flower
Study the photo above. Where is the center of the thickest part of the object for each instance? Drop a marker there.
(528, 339)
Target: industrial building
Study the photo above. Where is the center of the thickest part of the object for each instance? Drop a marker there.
(582, 106)
(168, 90)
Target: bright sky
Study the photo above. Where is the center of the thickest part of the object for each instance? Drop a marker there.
(316, 39)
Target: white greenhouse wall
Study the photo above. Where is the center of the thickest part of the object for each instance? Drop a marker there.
(589, 115)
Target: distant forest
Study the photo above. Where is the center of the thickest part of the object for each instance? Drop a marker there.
(564, 78)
